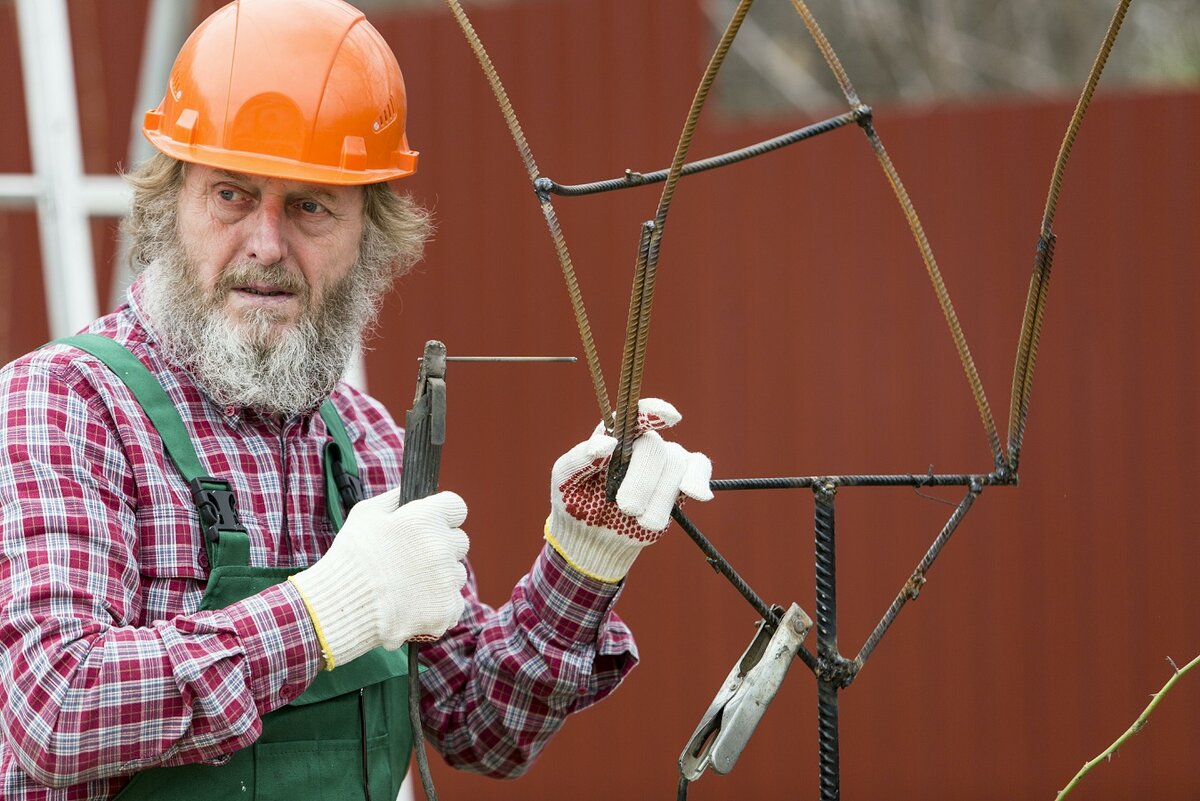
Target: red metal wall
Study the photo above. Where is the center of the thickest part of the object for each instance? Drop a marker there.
(797, 331)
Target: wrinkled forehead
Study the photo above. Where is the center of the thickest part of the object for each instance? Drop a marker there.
(264, 183)
(345, 202)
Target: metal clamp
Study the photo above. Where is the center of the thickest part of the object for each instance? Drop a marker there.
(747, 692)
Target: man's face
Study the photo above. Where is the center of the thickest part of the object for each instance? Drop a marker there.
(267, 251)
(264, 288)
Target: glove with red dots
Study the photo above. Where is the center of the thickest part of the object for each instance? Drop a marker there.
(600, 538)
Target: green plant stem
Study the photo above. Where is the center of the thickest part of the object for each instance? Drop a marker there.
(1132, 730)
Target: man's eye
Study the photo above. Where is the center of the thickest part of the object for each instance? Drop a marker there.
(228, 195)
(311, 207)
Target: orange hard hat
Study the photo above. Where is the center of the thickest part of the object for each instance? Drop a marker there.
(305, 90)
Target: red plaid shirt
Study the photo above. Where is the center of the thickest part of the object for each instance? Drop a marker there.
(107, 667)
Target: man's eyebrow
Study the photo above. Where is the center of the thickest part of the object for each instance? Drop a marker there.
(230, 175)
(314, 190)
(317, 191)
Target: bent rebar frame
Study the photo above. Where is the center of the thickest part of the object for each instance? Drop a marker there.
(742, 700)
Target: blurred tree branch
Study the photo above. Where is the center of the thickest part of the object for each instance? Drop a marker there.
(932, 50)
(1132, 730)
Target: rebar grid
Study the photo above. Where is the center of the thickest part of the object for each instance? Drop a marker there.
(832, 671)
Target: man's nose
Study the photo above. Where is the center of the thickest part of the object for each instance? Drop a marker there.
(267, 240)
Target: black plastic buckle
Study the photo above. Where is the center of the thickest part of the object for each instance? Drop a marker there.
(349, 485)
(217, 507)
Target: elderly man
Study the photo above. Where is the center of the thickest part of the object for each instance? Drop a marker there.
(177, 618)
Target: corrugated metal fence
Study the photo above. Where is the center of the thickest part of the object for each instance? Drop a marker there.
(797, 331)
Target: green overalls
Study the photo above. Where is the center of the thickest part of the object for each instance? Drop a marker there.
(348, 736)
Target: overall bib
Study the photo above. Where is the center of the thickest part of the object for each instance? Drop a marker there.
(348, 736)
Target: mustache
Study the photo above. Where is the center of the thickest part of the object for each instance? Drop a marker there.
(243, 273)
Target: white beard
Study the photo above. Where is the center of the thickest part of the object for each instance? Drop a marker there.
(257, 362)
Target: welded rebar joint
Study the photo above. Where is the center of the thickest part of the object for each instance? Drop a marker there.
(863, 115)
(837, 671)
(542, 187)
(912, 587)
(1045, 244)
(825, 489)
(1002, 476)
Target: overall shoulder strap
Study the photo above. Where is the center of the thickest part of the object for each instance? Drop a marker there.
(224, 535)
(343, 486)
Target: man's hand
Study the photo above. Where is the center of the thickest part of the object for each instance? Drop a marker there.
(391, 575)
(599, 538)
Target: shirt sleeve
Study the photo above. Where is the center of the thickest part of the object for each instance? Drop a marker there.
(502, 681)
(90, 689)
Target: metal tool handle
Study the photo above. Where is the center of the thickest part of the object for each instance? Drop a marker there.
(424, 435)
(425, 427)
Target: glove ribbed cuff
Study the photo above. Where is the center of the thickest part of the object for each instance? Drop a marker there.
(342, 608)
(597, 553)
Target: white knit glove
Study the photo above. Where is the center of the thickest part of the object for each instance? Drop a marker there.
(391, 575)
(601, 539)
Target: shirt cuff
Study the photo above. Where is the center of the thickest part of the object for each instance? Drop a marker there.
(282, 652)
(577, 607)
